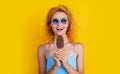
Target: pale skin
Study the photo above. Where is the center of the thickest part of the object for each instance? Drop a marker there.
(64, 53)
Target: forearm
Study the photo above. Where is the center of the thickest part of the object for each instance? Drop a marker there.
(70, 69)
(52, 70)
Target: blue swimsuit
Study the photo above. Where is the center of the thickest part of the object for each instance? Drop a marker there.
(61, 69)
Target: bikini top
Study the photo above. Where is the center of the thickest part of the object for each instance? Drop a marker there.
(61, 69)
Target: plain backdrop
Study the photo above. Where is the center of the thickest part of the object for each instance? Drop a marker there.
(22, 30)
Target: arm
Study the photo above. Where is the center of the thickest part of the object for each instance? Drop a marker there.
(80, 58)
(70, 69)
(52, 70)
(55, 67)
(42, 62)
(80, 61)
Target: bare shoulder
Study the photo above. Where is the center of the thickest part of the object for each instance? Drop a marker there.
(79, 48)
(41, 49)
(79, 45)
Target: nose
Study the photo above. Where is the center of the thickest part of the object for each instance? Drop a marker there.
(59, 23)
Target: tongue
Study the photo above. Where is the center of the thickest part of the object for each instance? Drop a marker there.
(60, 42)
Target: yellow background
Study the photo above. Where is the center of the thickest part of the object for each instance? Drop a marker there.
(22, 29)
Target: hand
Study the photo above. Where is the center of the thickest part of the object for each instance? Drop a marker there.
(57, 61)
(61, 56)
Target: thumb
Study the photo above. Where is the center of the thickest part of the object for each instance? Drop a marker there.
(56, 59)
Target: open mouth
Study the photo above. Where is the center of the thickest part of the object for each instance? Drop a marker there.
(59, 29)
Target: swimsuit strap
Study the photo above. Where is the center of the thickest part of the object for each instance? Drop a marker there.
(74, 47)
(46, 49)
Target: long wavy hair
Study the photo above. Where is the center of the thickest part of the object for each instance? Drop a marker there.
(51, 12)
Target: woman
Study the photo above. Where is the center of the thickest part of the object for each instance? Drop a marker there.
(70, 59)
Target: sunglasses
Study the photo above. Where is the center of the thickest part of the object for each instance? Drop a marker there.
(56, 21)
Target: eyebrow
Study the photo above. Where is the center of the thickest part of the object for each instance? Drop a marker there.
(60, 18)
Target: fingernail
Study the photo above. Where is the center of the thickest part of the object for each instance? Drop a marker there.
(60, 49)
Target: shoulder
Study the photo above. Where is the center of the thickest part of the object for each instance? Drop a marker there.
(41, 49)
(79, 48)
(79, 45)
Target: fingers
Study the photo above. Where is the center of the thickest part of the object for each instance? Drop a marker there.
(61, 58)
(60, 52)
(56, 59)
(60, 55)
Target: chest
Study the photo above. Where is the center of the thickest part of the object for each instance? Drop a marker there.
(68, 50)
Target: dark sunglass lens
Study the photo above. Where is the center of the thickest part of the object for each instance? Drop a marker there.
(55, 21)
(63, 21)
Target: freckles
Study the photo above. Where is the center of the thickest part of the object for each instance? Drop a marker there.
(53, 29)
(66, 26)
(53, 26)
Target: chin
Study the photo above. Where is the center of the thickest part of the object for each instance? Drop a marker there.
(59, 33)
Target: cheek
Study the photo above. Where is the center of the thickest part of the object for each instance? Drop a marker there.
(53, 27)
(66, 27)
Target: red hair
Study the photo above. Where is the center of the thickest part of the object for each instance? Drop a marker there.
(59, 8)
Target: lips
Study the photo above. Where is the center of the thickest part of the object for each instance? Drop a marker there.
(59, 29)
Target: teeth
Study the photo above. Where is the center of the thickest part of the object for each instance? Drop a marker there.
(59, 29)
